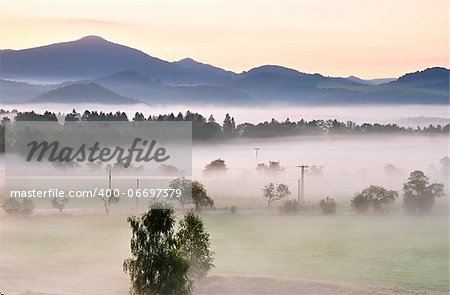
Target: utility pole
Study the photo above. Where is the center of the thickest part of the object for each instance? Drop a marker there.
(109, 180)
(257, 153)
(301, 184)
(137, 199)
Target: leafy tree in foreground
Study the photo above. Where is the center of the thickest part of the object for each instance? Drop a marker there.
(194, 245)
(273, 192)
(419, 194)
(157, 265)
(328, 205)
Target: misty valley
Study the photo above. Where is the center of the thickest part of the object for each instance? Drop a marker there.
(126, 173)
(347, 228)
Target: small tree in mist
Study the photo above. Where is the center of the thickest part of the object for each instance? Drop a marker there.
(373, 196)
(217, 165)
(272, 167)
(157, 265)
(195, 245)
(59, 203)
(192, 192)
(328, 205)
(185, 186)
(200, 196)
(274, 192)
(419, 194)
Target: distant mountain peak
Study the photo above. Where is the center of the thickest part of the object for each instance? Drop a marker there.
(274, 70)
(187, 59)
(93, 38)
(190, 63)
(427, 74)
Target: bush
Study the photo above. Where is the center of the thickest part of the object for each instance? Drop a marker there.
(12, 206)
(290, 207)
(327, 205)
(360, 203)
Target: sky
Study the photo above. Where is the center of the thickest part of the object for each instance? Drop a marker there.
(366, 38)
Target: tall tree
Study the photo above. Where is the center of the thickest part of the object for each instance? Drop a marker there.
(229, 127)
(157, 265)
(195, 245)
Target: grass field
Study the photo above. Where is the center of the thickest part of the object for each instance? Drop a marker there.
(84, 254)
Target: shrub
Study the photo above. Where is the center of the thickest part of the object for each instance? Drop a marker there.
(360, 203)
(290, 207)
(327, 205)
(12, 206)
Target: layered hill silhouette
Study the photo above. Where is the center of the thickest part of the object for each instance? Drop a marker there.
(90, 92)
(96, 70)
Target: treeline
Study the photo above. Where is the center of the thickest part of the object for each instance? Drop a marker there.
(209, 129)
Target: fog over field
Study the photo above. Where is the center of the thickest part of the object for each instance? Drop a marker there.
(343, 164)
(261, 251)
(272, 147)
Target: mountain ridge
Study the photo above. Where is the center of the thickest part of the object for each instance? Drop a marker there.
(129, 72)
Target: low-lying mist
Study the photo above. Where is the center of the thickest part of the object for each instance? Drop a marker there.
(339, 165)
